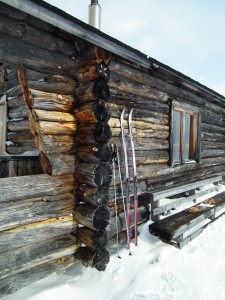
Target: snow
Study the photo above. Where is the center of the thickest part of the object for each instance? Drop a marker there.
(154, 271)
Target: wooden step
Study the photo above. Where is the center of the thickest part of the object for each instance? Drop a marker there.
(181, 227)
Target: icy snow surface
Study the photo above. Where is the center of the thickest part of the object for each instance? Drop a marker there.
(155, 271)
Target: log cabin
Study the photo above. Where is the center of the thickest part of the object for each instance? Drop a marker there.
(63, 86)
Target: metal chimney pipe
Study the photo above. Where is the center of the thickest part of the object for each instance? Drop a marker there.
(95, 14)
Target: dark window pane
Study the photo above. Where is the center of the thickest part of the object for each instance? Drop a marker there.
(176, 136)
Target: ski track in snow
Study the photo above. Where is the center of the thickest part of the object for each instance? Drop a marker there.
(155, 271)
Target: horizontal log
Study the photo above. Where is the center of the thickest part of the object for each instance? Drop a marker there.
(212, 145)
(18, 125)
(94, 259)
(20, 112)
(121, 84)
(20, 212)
(94, 152)
(138, 133)
(24, 235)
(51, 101)
(92, 112)
(53, 144)
(212, 128)
(35, 36)
(144, 143)
(18, 52)
(213, 153)
(91, 238)
(20, 136)
(93, 196)
(133, 72)
(22, 279)
(212, 137)
(24, 258)
(94, 133)
(14, 92)
(52, 116)
(53, 128)
(95, 218)
(141, 111)
(94, 174)
(26, 187)
(115, 123)
(21, 147)
(212, 118)
(58, 164)
(16, 101)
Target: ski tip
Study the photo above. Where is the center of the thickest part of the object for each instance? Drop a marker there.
(119, 257)
(130, 114)
(123, 112)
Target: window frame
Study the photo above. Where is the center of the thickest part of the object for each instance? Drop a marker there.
(3, 127)
(194, 136)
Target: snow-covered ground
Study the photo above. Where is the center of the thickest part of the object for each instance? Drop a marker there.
(155, 271)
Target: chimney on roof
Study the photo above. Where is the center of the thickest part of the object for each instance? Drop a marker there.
(95, 14)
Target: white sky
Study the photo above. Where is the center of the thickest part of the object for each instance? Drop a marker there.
(188, 36)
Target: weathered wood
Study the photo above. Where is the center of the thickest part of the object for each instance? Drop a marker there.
(147, 133)
(205, 145)
(21, 147)
(44, 100)
(94, 259)
(143, 216)
(24, 258)
(213, 153)
(16, 101)
(93, 112)
(115, 123)
(18, 125)
(22, 236)
(52, 128)
(94, 174)
(35, 186)
(95, 218)
(146, 111)
(91, 73)
(91, 238)
(31, 210)
(58, 164)
(121, 84)
(94, 152)
(20, 112)
(53, 144)
(15, 282)
(145, 144)
(22, 30)
(52, 116)
(133, 72)
(46, 60)
(20, 136)
(89, 92)
(94, 133)
(93, 196)
(93, 55)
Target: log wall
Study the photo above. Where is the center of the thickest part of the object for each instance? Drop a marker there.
(66, 104)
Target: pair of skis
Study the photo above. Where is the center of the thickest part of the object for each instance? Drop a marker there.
(128, 214)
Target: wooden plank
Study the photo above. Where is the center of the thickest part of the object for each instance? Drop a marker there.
(163, 208)
(174, 190)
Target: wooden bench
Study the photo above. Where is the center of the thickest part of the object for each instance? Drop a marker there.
(162, 201)
(184, 226)
(181, 227)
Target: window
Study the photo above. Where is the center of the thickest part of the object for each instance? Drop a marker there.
(2, 126)
(185, 134)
